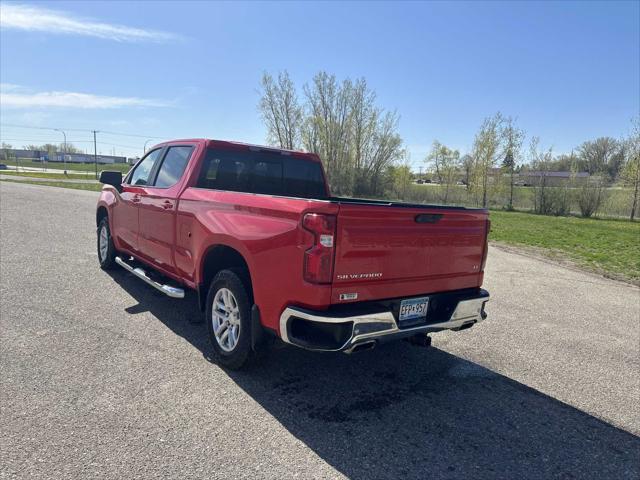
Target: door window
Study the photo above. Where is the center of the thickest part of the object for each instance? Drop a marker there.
(173, 166)
(140, 176)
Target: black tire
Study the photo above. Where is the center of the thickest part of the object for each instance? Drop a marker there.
(107, 261)
(241, 353)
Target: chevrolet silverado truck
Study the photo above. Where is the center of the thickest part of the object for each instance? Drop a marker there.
(256, 233)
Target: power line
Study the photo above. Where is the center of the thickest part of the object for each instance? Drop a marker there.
(81, 130)
(131, 135)
(48, 140)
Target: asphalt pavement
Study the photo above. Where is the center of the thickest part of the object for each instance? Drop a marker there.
(103, 377)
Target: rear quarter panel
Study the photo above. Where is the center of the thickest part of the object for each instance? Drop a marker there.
(266, 231)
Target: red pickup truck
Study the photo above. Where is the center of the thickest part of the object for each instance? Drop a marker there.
(255, 232)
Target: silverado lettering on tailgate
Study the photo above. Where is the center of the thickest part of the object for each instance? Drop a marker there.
(358, 276)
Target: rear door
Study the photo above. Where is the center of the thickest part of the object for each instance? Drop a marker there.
(387, 251)
(158, 206)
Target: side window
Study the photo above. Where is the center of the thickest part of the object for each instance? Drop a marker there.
(304, 179)
(140, 175)
(233, 174)
(267, 177)
(222, 171)
(209, 172)
(173, 165)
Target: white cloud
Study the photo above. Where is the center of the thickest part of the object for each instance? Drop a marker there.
(31, 18)
(14, 96)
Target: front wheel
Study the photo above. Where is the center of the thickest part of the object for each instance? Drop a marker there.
(229, 320)
(106, 249)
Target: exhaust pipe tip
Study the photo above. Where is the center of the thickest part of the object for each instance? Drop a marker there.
(361, 347)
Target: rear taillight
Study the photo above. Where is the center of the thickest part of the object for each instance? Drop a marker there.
(318, 260)
(486, 246)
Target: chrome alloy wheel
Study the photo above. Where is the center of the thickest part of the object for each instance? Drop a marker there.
(103, 243)
(225, 318)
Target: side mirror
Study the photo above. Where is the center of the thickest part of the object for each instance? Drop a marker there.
(112, 178)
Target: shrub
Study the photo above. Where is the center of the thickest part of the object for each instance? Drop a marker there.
(590, 197)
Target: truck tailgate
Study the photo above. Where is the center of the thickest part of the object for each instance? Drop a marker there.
(392, 251)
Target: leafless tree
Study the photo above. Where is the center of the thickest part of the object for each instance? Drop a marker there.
(512, 139)
(446, 163)
(280, 110)
(327, 127)
(357, 141)
(486, 149)
(631, 169)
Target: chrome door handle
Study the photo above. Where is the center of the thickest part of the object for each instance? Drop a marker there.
(167, 205)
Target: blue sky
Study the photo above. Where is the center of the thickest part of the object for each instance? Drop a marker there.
(569, 71)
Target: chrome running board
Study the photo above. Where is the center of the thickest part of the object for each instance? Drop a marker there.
(168, 290)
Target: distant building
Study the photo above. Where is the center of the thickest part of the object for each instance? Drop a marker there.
(43, 155)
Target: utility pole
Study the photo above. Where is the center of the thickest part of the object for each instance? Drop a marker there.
(64, 149)
(95, 152)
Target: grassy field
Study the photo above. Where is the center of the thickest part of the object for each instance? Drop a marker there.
(617, 201)
(94, 187)
(611, 247)
(83, 167)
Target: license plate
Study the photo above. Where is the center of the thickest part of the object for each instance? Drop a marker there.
(413, 308)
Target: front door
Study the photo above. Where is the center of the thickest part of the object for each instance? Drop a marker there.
(158, 206)
(126, 211)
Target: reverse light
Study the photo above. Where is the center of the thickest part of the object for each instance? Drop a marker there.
(318, 260)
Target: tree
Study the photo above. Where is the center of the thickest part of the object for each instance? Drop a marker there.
(601, 156)
(280, 111)
(486, 148)
(446, 163)
(539, 161)
(467, 167)
(402, 178)
(356, 140)
(565, 163)
(326, 128)
(631, 170)
(512, 139)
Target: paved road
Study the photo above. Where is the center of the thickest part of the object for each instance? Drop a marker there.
(103, 377)
(20, 178)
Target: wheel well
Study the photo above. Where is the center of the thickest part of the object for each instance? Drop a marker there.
(100, 214)
(222, 257)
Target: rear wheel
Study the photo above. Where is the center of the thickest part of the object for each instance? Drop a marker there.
(106, 249)
(229, 320)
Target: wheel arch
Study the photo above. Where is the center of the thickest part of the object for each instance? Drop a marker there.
(101, 212)
(222, 257)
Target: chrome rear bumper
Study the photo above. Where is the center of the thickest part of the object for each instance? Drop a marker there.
(345, 331)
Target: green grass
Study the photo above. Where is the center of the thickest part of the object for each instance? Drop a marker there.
(617, 201)
(94, 187)
(88, 167)
(611, 247)
(69, 176)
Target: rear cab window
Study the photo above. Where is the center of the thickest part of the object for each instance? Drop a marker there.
(262, 172)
